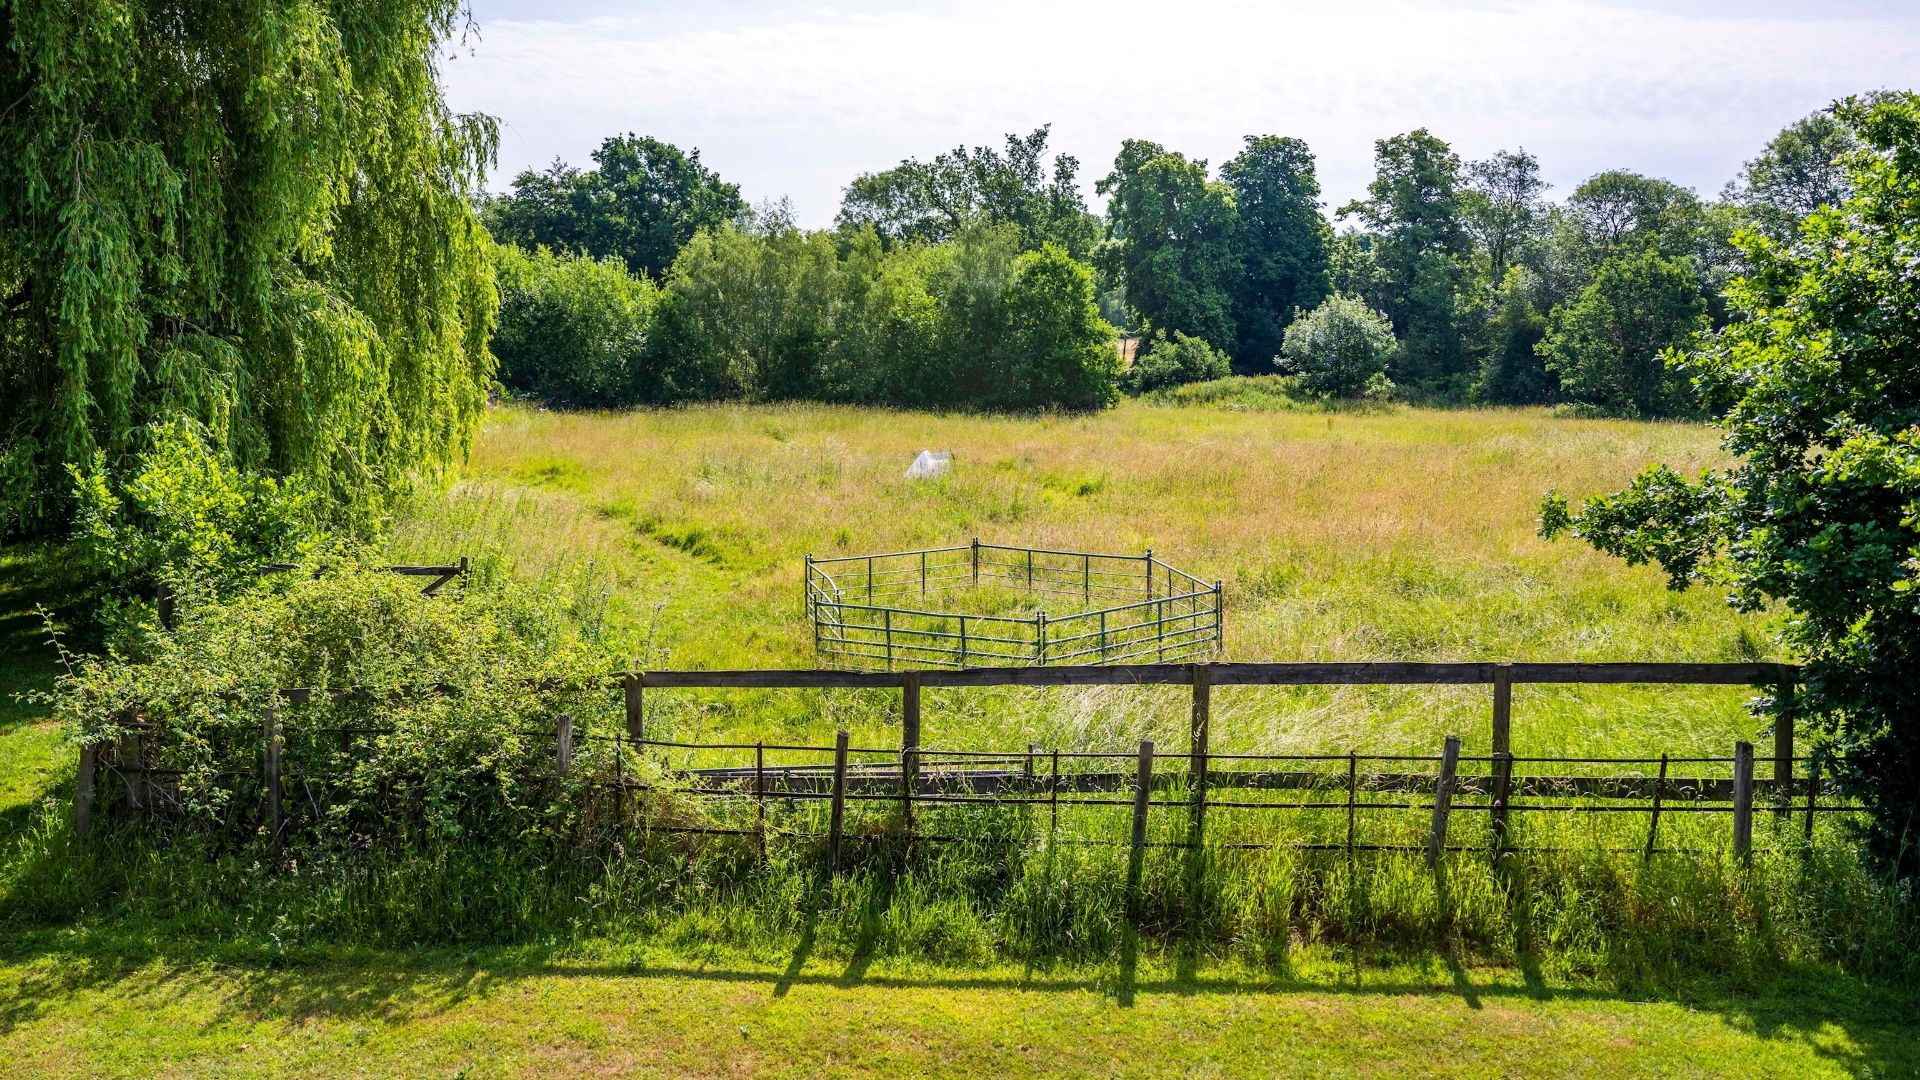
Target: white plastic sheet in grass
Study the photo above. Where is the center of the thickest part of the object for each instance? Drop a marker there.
(929, 464)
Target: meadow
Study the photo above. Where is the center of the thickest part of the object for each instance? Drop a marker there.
(1401, 534)
(1348, 535)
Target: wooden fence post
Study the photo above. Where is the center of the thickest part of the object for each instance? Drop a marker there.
(271, 776)
(1502, 751)
(1353, 789)
(1149, 595)
(1783, 751)
(909, 746)
(1086, 579)
(1197, 751)
(563, 744)
(760, 795)
(1443, 800)
(1137, 849)
(1053, 797)
(83, 792)
(636, 712)
(1813, 793)
(976, 560)
(806, 586)
(1040, 637)
(1653, 823)
(837, 821)
(1743, 801)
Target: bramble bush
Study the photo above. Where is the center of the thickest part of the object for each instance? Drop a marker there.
(456, 740)
(181, 518)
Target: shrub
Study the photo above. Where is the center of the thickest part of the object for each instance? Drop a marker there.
(571, 330)
(455, 742)
(183, 518)
(1341, 349)
(1164, 362)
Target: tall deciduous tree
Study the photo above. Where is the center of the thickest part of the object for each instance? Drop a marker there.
(252, 217)
(1797, 172)
(641, 203)
(1283, 244)
(1174, 242)
(1819, 385)
(1421, 250)
(1503, 209)
(934, 201)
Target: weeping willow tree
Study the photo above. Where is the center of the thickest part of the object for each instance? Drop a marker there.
(251, 215)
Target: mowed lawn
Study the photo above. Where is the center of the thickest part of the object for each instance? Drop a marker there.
(492, 1013)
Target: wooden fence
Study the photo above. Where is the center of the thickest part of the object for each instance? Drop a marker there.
(882, 610)
(914, 776)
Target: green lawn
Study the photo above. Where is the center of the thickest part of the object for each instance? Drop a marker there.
(70, 1008)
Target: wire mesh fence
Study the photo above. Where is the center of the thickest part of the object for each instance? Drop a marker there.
(905, 608)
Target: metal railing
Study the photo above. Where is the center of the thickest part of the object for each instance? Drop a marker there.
(885, 610)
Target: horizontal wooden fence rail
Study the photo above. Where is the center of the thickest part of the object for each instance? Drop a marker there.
(913, 775)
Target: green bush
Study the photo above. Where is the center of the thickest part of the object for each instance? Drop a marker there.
(452, 739)
(182, 518)
(571, 330)
(1341, 349)
(1167, 362)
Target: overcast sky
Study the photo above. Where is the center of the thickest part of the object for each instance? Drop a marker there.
(795, 98)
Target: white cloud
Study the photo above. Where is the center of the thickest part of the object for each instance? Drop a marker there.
(797, 101)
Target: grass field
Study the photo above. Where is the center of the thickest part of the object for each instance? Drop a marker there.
(1402, 535)
(1374, 535)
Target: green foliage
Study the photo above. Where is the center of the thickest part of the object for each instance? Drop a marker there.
(1502, 209)
(1173, 242)
(572, 330)
(1421, 247)
(1609, 348)
(1796, 173)
(745, 312)
(1511, 369)
(1061, 352)
(641, 203)
(1341, 349)
(184, 518)
(1164, 363)
(1819, 385)
(936, 201)
(458, 745)
(1283, 244)
(772, 312)
(253, 217)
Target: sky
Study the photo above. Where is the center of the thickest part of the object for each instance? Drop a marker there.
(794, 99)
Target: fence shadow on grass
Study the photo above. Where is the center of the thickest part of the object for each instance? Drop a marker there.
(254, 986)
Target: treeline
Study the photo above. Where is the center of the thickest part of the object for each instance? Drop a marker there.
(978, 303)
(980, 278)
